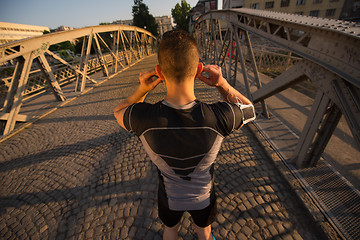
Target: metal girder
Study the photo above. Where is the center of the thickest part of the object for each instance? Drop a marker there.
(14, 98)
(239, 51)
(255, 71)
(117, 60)
(115, 49)
(286, 79)
(100, 56)
(123, 38)
(341, 92)
(330, 43)
(50, 78)
(24, 51)
(80, 85)
(331, 59)
(68, 65)
(350, 104)
(224, 48)
(319, 127)
(15, 49)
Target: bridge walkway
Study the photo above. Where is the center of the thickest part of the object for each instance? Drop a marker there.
(75, 174)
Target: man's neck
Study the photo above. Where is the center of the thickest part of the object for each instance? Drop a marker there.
(180, 94)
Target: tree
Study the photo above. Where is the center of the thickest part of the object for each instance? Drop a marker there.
(142, 18)
(181, 15)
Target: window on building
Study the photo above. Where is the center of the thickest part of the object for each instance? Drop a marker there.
(317, 1)
(255, 6)
(314, 13)
(333, 0)
(299, 13)
(269, 4)
(330, 12)
(285, 3)
(300, 2)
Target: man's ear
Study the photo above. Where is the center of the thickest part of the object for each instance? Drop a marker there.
(199, 69)
(159, 72)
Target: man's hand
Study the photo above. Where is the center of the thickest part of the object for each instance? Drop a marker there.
(149, 80)
(147, 83)
(215, 78)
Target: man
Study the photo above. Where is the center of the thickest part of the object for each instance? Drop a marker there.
(182, 135)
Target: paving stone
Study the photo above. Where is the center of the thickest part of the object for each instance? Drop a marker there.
(132, 232)
(247, 231)
(241, 236)
(273, 230)
(220, 218)
(89, 234)
(124, 232)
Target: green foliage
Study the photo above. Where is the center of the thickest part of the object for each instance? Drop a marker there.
(66, 54)
(181, 15)
(104, 23)
(7, 72)
(142, 18)
(62, 46)
(78, 45)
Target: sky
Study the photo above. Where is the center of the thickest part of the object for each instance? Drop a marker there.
(77, 13)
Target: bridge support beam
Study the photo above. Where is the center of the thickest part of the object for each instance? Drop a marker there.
(319, 127)
(14, 97)
(349, 97)
(69, 66)
(286, 79)
(50, 78)
(85, 52)
(114, 55)
(100, 56)
(126, 55)
(256, 72)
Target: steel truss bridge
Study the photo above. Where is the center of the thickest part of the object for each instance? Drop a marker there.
(244, 42)
(293, 49)
(328, 53)
(116, 46)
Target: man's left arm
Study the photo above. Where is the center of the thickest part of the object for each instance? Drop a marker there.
(146, 84)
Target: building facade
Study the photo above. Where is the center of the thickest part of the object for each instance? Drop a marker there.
(333, 9)
(316, 8)
(164, 24)
(227, 4)
(123, 22)
(13, 31)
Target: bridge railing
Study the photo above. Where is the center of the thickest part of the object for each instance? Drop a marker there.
(295, 49)
(106, 48)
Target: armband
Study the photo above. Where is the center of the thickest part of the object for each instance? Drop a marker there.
(247, 110)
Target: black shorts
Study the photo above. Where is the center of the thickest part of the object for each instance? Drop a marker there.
(202, 218)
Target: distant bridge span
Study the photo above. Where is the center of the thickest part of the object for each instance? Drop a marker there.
(126, 44)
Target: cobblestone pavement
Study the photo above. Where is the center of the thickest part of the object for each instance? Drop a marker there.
(75, 174)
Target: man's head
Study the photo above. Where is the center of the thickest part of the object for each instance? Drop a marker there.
(178, 56)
